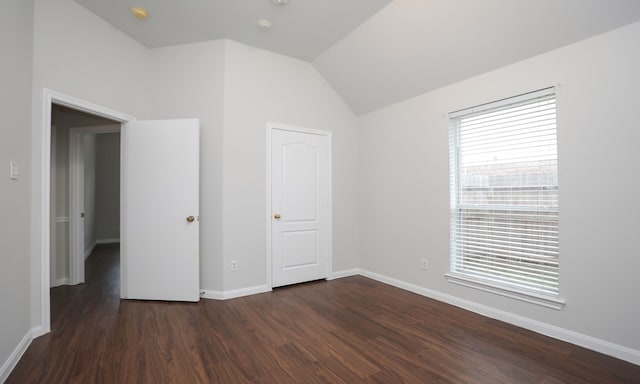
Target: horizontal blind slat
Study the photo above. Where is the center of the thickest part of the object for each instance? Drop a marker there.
(505, 267)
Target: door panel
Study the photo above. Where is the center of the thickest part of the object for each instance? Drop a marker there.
(300, 181)
(300, 202)
(300, 249)
(160, 191)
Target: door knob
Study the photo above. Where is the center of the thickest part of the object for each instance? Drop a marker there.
(276, 216)
(190, 219)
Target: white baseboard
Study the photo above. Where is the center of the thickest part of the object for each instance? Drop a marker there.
(213, 295)
(59, 282)
(38, 331)
(91, 248)
(226, 295)
(343, 273)
(99, 241)
(107, 241)
(589, 342)
(15, 356)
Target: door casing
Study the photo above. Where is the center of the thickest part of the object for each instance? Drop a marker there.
(50, 97)
(269, 222)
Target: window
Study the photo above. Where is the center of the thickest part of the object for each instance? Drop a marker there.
(504, 198)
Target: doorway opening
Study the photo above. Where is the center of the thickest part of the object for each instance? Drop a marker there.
(159, 218)
(51, 101)
(85, 190)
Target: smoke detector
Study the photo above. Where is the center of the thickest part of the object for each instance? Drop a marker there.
(279, 2)
(264, 24)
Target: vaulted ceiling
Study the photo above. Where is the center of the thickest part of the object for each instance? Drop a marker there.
(301, 28)
(378, 52)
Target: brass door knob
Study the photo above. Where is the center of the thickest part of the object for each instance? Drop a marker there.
(191, 219)
(276, 216)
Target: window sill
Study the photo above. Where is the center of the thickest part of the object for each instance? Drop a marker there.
(529, 297)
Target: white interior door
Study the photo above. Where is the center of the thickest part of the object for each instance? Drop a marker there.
(160, 203)
(300, 205)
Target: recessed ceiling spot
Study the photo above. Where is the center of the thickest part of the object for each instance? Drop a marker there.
(140, 12)
(279, 2)
(264, 24)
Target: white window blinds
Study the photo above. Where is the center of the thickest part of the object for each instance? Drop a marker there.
(504, 193)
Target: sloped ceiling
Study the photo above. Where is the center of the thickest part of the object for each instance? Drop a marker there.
(302, 28)
(379, 52)
(415, 46)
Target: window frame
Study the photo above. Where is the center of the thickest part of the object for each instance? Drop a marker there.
(546, 299)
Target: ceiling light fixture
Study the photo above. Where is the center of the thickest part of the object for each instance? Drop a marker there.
(279, 2)
(140, 12)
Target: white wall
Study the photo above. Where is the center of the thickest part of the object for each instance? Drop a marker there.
(398, 182)
(263, 87)
(187, 81)
(78, 54)
(16, 25)
(235, 90)
(192, 81)
(107, 187)
(89, 144)
(404, 195)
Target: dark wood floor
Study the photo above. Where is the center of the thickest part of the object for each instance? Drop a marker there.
(351, 330)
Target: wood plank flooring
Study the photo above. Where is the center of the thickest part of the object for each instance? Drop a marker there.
(351, 330)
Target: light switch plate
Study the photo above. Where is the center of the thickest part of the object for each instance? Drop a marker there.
(13, 171)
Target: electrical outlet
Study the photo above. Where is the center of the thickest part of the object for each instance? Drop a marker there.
(425, 264)
(234, 265)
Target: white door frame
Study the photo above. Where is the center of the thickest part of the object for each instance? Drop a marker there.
(76, 198)
(49, 98)
(284, 127)
(53, 271)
